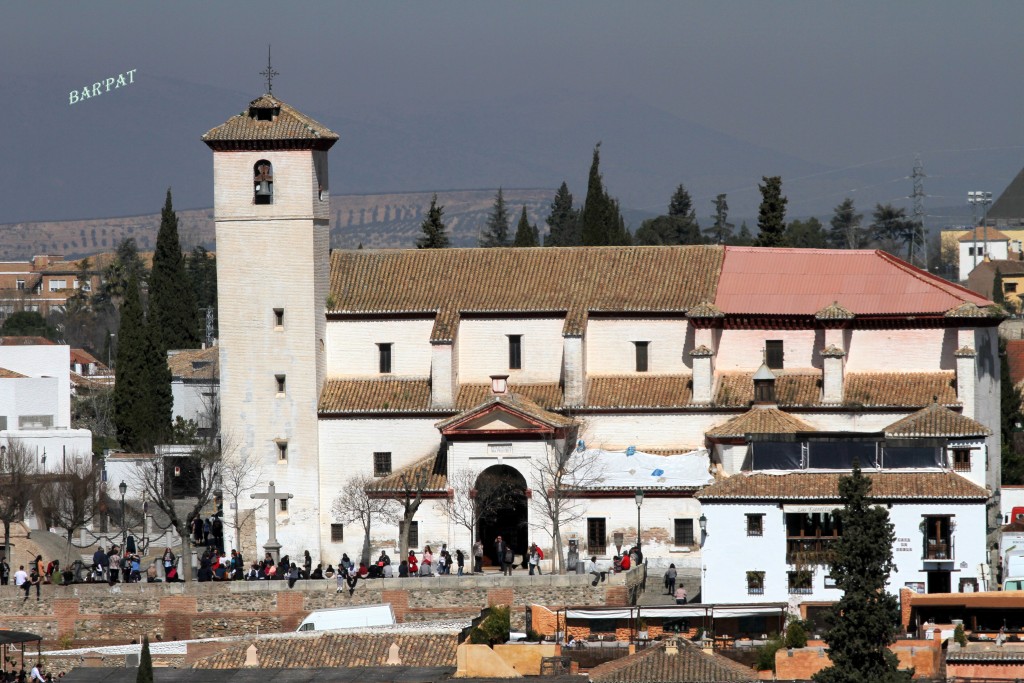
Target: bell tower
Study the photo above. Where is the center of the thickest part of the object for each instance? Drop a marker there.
(271, 209)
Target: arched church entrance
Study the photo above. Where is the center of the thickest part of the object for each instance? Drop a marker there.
(501, 503)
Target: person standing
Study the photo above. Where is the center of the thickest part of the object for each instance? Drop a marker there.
(670, 579)
(217, 527)
(500, 547)
(5, 571)
(307, 564)
(681, 595)
(534, 559)
(169, 560)
(510, 557)
(21, 579)
(478, 557)
(113, 565)
(99, 563)
(460, 559)
(34, 579)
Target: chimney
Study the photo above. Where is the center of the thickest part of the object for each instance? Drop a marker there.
(966, 371)
(832, 358)
(499, 384)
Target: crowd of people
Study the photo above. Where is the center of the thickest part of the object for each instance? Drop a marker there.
(35, 675)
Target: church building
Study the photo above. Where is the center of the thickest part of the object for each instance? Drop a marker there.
(679, 378)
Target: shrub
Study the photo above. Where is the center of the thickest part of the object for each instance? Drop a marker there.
(766, 653)
(493, 629)
(959, 636)
(796, 634)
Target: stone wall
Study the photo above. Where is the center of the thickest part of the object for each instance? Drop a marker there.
(95, 614)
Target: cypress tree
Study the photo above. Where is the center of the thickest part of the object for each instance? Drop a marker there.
(864, 620)
(601, 222)
(998, 296)
(160, 400)
(130, 376)
(526, 234)
(771, 218)
(435, 235)
(496, 232)
(563, 221)
(201, 270)
(145, 673)
(721, 231)
(171, 301)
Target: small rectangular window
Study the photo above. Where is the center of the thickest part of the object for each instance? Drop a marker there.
(35, 422)
(381, 464)
(337, 533)
(641, 355)
(3, 422)
(684, 531)
(414, 533)
(597, 536)
(278, 317)
(800, 583)
(384, 358)
(962, 460)
(755, 583)
(773, 354)
(1010, 287)
(280, 383)
(755, 525)
(515, 351)
(20, 285)
(282, 450)
(57, 285)
(284, 504)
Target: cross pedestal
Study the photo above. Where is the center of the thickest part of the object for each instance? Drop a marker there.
(271, 496)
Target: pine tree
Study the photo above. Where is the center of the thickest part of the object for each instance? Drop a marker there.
(526, 234)
(201, 270)
(496, 232)
(771, 217)
(846, 232)
(807, 234)
(563, 221)
(744, 238)
(172, 303)
(131, 379)
(721, 231)
(145, 673)
(892, 227)
(601, 222)
(435, 235)
(865, 618)
(680, 207)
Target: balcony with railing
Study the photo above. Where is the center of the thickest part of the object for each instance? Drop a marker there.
(805, 551)
(943, 549)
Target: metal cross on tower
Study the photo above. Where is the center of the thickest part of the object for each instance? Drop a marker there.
(269, 73)
(271, 496)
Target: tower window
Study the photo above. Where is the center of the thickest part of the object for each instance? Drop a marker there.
(384, 357)
(263, 181)
(282, 451)
(280, 383)
(773, 354)
(641, 355)
(278, 317)
(515, 351)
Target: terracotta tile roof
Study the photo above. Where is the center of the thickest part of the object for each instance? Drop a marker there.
(654, 665)
(936, 420)
(900, 389)
(516, 403)
(980, 232)
(10, 374)
(982, 278)
(375, 395)
(202, 364)
(760, 420)
(825, 486)
(84, 357)
(1015, 358)
(26, 341)
(969, 309)
(640, 391)
(705, 309)
(834, 312)
(545, 395)
(803, 281)
(791, 388)
(425, 474)
(340, 650)
(289, 124)
(564, 281)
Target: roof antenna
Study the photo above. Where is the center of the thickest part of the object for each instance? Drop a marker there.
(269, 73)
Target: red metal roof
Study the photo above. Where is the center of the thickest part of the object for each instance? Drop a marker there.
(803, 281)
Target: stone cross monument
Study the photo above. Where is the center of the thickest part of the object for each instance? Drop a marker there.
(271, 496)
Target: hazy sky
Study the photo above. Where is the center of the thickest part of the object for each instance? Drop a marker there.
(834, 83)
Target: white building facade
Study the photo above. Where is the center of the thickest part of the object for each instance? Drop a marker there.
(382, 363)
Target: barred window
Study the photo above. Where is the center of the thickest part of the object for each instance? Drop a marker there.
(381, 464)
(337, 533)
(684, 531)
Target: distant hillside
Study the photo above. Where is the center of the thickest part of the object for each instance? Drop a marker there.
(375, 221)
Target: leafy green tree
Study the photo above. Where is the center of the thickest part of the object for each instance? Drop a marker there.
(496, 232)
(131, 390)
(679, 226)
(771, 216)
(118, 273)
(563, 221)
(145, 673)
(172, 304)
(601, 222)
(998, 296)
(846, 231)
(526, 235)
(721, 231)
(744, 238)
(435, 234)
(28, 324)
(893, 228)
(807, 234)
(201, 269)
(865, 618)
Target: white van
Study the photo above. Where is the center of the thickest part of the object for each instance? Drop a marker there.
(348, 617)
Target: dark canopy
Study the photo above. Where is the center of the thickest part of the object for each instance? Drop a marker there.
(11, 637)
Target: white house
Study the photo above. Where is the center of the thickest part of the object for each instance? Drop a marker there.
(195, 384)
(389, 364)
(980, 244)
(35, 403)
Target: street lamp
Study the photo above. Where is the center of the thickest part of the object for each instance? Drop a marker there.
(110, 351)
(123, 488)
(703, 522)
(639, 495)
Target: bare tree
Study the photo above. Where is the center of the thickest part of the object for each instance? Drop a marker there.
(71, 497)
(18, 485)
(202, 466)
(476, 498)
(560, 479)
(355, 504)
(240, 473)
(408, 486)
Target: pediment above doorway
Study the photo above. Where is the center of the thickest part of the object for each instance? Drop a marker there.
(508, 415)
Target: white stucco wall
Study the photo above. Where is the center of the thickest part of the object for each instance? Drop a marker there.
(903, 350)
(742, 349)
(729, 553)
(483, 350)
(195, 401)
(43, 360)
(664, 430)
(995, 249)
(610, 348)
(352, 347)
(57, 445)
